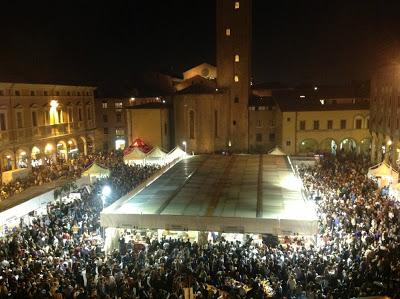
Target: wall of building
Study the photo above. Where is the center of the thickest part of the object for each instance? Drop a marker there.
(234, 23)
(150, 125)
(111, 123)
(296, 140)
(44, 119)
(385, 115)
(263, 132)
(210, 116)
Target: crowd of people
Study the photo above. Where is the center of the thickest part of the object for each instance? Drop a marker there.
(59, 255)
(49, 170)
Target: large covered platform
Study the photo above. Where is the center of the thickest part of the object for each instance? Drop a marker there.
(238, 194)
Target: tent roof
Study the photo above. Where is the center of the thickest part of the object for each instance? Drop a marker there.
(156, 152)
(135, 154)
(96, 169)
(277, 152)
(177, 151)
(382, 169)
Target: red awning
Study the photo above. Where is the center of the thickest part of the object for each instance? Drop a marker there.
(140, 144)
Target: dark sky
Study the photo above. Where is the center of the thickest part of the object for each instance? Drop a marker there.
(110, 43)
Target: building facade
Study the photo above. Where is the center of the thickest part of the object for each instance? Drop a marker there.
(324, 124)
(385, 115)
(39, 121)
(211, 115)
(151, 123)
(111, 123)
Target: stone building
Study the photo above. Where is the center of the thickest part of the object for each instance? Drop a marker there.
(324, 120)
(44, 121)
(111, 123)
(385, 114)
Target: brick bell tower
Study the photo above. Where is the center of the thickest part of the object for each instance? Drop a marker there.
(234, 35)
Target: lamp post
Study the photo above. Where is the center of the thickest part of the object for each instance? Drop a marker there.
(184, 144)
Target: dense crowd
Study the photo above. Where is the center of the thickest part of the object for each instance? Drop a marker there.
(49, 170)
(59, 254)
(357, 252)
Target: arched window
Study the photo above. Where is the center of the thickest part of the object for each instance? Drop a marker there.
(191, 124)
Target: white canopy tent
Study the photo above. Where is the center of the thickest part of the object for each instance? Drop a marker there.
(136, 156)
(176, 153)
(155, 156)
(385, 174)
(96, 171)
(276, 152)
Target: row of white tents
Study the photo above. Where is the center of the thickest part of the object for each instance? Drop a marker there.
(155, 156)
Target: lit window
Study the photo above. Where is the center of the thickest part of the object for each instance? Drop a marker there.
(118, 105)
(104, 105)
(228, 32)
(237, 4)
(236, 58)
(119, 132)
(236, 78)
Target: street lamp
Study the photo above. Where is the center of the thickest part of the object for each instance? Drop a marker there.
(184, 144)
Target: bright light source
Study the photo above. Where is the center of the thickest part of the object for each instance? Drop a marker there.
(216, 89)
(106, 191)
(69, 142)
(184, 142)
(23, 153)
(48, 148)
(229, 143)
(315, 88)
(54, 103)
(163, 101)
(389, 142)
(302, 96)
(322, 102)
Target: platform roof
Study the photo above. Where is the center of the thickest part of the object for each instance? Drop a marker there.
(238, 193)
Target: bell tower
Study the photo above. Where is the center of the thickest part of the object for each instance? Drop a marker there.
(234, 32)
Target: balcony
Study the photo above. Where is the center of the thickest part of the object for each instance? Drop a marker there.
(27, 134)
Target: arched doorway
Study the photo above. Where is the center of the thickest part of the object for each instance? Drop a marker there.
(7, 161)
(61, 151)
(36, 158)
(328, 145)
(365, 146)
(22, 158)
(50, 153)
(348, 145)
(308, 146)
(72, 148)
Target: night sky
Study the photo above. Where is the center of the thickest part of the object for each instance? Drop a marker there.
(89, 42)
